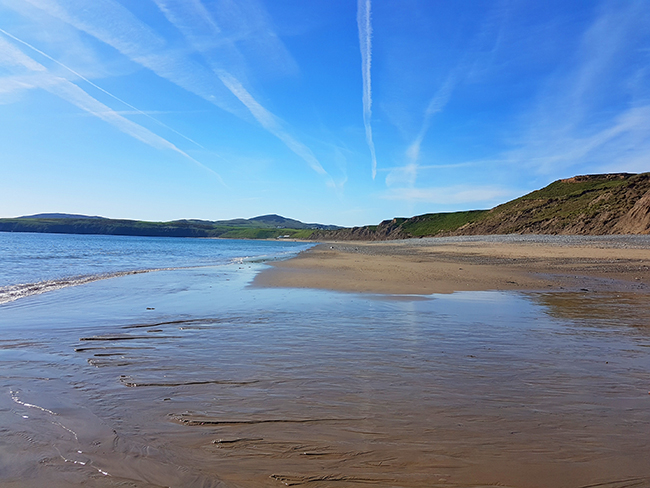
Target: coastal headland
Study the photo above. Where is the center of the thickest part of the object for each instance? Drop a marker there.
(476, 263)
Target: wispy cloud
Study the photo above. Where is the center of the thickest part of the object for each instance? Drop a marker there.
(436, 104)
(237, 34)
(622, 143)
(135, 109)
(63, 88)
(475, 60)
(594, 114)
(365, 43)
(402, 180)
(159, 112)
(194, 21)
(451, 195)
(424, 167)
(197, 25)
(139, 43)
(408, 173)
(591, 113)
(270, 122)
(113, 24)
(11, 56)
(75, 95)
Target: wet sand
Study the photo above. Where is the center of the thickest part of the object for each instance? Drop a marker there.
(426, 266)
(193, 378)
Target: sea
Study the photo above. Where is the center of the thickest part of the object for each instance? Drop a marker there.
(33, 263)
(151, 362)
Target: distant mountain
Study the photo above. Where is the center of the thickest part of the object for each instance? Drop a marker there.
(58, 216)
(265, 227)
(278, 221)
(588, 205)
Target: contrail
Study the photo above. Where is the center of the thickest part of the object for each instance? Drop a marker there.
(270, 122)
(183, 19)
(436, 104)
(98, 87)
(111, 23)
(75, 95)
(365, 44)
(139, 43)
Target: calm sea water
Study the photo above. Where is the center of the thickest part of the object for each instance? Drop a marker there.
(32, 263)
(191, 377)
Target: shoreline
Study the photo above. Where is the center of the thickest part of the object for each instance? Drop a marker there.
(476, 263)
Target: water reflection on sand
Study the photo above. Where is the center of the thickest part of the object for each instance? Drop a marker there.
(225, 385)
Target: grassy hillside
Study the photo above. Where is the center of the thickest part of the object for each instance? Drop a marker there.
(179, 228)
(590, 205)
(595, 204)
(437, 223)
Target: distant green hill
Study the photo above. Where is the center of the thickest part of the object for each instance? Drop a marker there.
(58, 216)
(264, 227)
(588, 205)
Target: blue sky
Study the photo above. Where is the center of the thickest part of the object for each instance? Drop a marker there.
(325, 111)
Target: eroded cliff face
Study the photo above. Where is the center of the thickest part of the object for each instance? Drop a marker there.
(637, 220)
(584, 205)
(386, 231)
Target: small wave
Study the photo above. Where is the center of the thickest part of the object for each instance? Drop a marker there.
(10, 293)
(14, 292)
(15, 398)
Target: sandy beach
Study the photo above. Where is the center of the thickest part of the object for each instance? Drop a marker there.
(446, 265)
(191, 377)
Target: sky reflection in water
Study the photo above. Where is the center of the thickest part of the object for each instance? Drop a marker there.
(494, 387)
